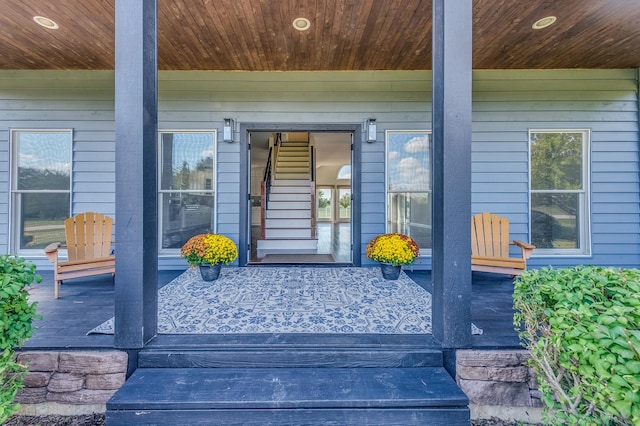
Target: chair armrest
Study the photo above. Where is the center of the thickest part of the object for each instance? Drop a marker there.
(527, 249)
(53, 247)
(51, 251)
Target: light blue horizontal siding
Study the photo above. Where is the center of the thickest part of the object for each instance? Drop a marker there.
(506, 104)
(78, 100)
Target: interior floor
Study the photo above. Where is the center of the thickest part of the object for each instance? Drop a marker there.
(333, 239)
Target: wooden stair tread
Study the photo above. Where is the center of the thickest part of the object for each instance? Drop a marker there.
(293, 388)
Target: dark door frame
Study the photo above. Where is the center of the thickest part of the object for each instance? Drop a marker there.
(244, 238)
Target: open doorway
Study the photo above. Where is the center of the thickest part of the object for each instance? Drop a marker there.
(300, 190)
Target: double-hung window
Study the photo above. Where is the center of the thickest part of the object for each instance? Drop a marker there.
(40, 188)
(559, 181)
(409, 188)
(187, 186)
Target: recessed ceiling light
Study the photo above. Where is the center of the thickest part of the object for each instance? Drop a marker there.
(301, 24)
(46, 22)
(544, 22)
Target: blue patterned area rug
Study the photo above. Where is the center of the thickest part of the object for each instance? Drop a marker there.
(291, 300)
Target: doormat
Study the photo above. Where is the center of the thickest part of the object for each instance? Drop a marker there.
(298, 258)
(291, 300)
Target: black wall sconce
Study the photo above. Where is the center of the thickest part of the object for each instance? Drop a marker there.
(371, 129)
(227, 130)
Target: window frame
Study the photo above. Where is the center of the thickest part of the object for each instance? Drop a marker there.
(584, 219)
(338, 218)
(429, 133)
(332, 207)
(15, 208)
(214, 190)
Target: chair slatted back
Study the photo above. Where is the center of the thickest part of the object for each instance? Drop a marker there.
(88, 236)
(489, 235)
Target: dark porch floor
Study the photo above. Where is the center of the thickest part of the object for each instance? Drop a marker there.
(85, 303)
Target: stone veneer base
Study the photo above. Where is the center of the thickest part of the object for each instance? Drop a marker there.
(514, 414)
(497, 382)
(57, 409)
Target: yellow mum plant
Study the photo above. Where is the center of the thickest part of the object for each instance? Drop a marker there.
(395, 249)
(209, 249)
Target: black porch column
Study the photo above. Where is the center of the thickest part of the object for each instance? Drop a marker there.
(136, 124)
(452, 172)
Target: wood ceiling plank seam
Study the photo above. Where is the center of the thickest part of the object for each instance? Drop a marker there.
(489, 49)
(347, 23)
(240, 25)
(356, 41)
(390, 20)
(101, 50)
(422, 42)
(193, 47)
(258, 33)
(334, 52)
(320, 28)
(197, 50)
(69, 38)
(364, 35)
(222, 41)
(590, 22)
(403, 54)
(271, 18)
(230, 45)
(328, 53)
(168, 16)
(205, 41)
(281, 12)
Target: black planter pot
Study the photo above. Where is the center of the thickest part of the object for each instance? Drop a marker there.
(210, 272)
(390, 272)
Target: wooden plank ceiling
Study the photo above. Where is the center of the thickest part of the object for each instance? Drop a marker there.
(258, 35)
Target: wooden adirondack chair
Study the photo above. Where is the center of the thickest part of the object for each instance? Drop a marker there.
(88, 248)
(490, 246)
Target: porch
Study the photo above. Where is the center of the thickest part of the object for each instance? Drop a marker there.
(86, 303)
(298, 359)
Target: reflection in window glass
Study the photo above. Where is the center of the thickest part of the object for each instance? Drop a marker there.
(344, 202)
(344, 173)
(409, 185)
(41, 190)
(554, 221)
(558, 195)
(187, 186)
(324, 198)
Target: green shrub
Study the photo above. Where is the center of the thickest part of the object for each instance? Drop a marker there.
(582, 326)
(16, 315)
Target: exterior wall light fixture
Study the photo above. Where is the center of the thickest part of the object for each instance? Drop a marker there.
(371, 130)
(227, 130)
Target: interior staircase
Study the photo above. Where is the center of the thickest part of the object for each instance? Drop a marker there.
(291, 380)
(289, 225)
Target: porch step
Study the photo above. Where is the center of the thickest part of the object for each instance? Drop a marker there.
(292, 182)
(271, 358)
(287, 245)
(281, 233)
(289, 396)
(296, 176)
(289, 205)
(296, 196)
(289, 214)
(288, 223)
(299, 148)
(280, 169)
(289, 189)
